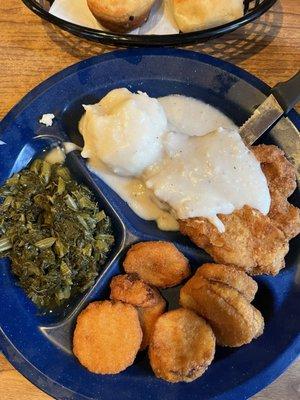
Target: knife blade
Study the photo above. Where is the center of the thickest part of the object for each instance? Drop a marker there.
(261, 120)
(281, 100)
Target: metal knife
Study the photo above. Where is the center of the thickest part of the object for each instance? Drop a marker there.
(282, 99)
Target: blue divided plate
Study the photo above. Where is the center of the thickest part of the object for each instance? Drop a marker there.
(40, 346)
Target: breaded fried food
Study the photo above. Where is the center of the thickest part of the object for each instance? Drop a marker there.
(160, 264)
(107, 337)
(130, 289)
(281, 177)
(280, 173)
(252, 241)
(182, 346)
(233, 319)
(147, 300)
(237, 279)
(148, 317)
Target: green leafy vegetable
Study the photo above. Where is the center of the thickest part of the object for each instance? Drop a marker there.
(54, 233)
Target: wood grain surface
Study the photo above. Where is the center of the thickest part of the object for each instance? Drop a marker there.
(31, 50)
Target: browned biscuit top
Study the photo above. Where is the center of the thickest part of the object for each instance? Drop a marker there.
(120, 9)
(121, 16)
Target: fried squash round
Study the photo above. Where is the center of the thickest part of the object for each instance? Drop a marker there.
(230, 276)
(233, 319)
(107, 337)
(147, 300)
(182, 346)
(148, 317)
(130, 289)
(159, 263)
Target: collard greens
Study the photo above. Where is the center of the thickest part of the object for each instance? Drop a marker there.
(53, 232)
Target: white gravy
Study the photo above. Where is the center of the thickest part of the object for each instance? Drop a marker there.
(204, 171)
(208, 175)
(192, 117)
(135, 193)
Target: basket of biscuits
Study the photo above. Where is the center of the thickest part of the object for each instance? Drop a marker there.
(149, 22)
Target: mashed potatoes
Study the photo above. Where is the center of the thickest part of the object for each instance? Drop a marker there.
(124, 129)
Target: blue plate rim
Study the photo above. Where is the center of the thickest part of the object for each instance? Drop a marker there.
(208, 59)
(257, 382)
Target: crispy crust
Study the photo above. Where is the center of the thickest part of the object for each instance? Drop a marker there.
(237, 279)
(250, 241)
(130, 289)
(280, 173)
(147, 300)
(158, 263)
(182, 346)
(254, 242)
(148, 317)
(281, 177)
(234, 320)
(107, 337)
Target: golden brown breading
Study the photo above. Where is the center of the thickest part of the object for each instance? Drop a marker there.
(233, 319)
(280, 173)
(148, 317)
(231, 276)
(147, 300)
(252, 241)
(281, 177)
(130, 289)
(182, 346)
(258, 323)
(284, 215)
(160, 264)
(107, 336)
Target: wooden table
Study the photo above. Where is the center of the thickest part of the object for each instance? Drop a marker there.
(32, 50)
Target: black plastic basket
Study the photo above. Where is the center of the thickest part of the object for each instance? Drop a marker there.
(253, 10)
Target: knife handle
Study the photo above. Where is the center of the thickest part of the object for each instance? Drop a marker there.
(288, 93)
